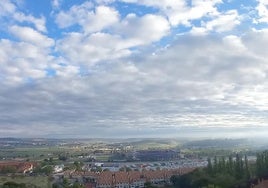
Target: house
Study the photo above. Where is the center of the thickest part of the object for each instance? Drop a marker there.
(123, 179)
(19, 167)
(105, 180)
(58, 168)
(136, 179)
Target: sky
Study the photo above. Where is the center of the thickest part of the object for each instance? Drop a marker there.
(133, 68)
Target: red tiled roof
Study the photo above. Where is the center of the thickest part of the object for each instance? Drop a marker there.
(135, 176)
(106, 178)
(121, 177)
(19, 166)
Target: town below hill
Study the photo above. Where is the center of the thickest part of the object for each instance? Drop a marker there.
(132, 163)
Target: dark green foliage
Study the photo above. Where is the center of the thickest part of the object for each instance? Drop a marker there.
(149, 185)
(7, 169)
(66, 184)
(11, 184)
(262, 165)
(63, 157)
(47, 170)
(209, 167)
(78, 165)
(220, 173)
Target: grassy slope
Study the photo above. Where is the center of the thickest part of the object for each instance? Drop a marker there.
(39, 181)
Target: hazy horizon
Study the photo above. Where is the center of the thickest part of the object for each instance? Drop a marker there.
(133, 68)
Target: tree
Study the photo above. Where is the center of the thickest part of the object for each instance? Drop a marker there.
(238, 167)
(215, 165)
(209, 167)
(247, 173)
(63, 157)
(47, 169)
(78, 165)
(183, 181)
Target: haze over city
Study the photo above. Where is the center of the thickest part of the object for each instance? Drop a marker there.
(133, 68)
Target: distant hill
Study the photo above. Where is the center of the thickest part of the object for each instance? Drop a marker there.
(216, 143)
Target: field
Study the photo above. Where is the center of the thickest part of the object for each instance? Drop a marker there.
(30, 181)
(36, 153)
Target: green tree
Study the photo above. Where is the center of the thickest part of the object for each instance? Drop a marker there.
(247, 172)
(209, 167)
(78, 165)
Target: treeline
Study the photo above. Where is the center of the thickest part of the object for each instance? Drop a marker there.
(262, 165)
(221, 172)
(238, 167)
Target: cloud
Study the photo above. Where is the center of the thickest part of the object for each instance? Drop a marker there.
(26, 59)
(76, 12)
(7, 8)
(182, 12)
(130, 32)
(39, 23)
(30, 35)
(21, 61)
(221, 23)
(90, 20)
(262, 10)
(145, 29)
(224, 22)
(198, 81)
(103, 71)
(56, 4)
(89, 50)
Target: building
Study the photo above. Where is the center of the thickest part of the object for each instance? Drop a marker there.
(105, 180)
(58, 168)
(123, 179)
(136, 179)
(156, 155)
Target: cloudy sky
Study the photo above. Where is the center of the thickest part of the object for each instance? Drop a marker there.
(133, 68)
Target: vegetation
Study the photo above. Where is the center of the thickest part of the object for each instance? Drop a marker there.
(7, 169)
(66, 184)
(220, 173)
(232, 172)
(262, 165)
(24, 181)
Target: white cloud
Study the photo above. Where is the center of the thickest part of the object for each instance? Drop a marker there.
(73, 16)
(28, 34)
(56, 3)
(89, 50)
(182, 12)
(103, 18)
(26, 59)
(66, 71)
(224, 22)
(7, 8)
(39, 23)
(145, 29)
(105, 1)
(90, 20)
(262, 10)
(131, 31)
(221, 23)
(256, 41)
(105, 71)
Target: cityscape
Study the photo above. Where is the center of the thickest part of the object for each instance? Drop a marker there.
(120, 163)
(133, 94)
